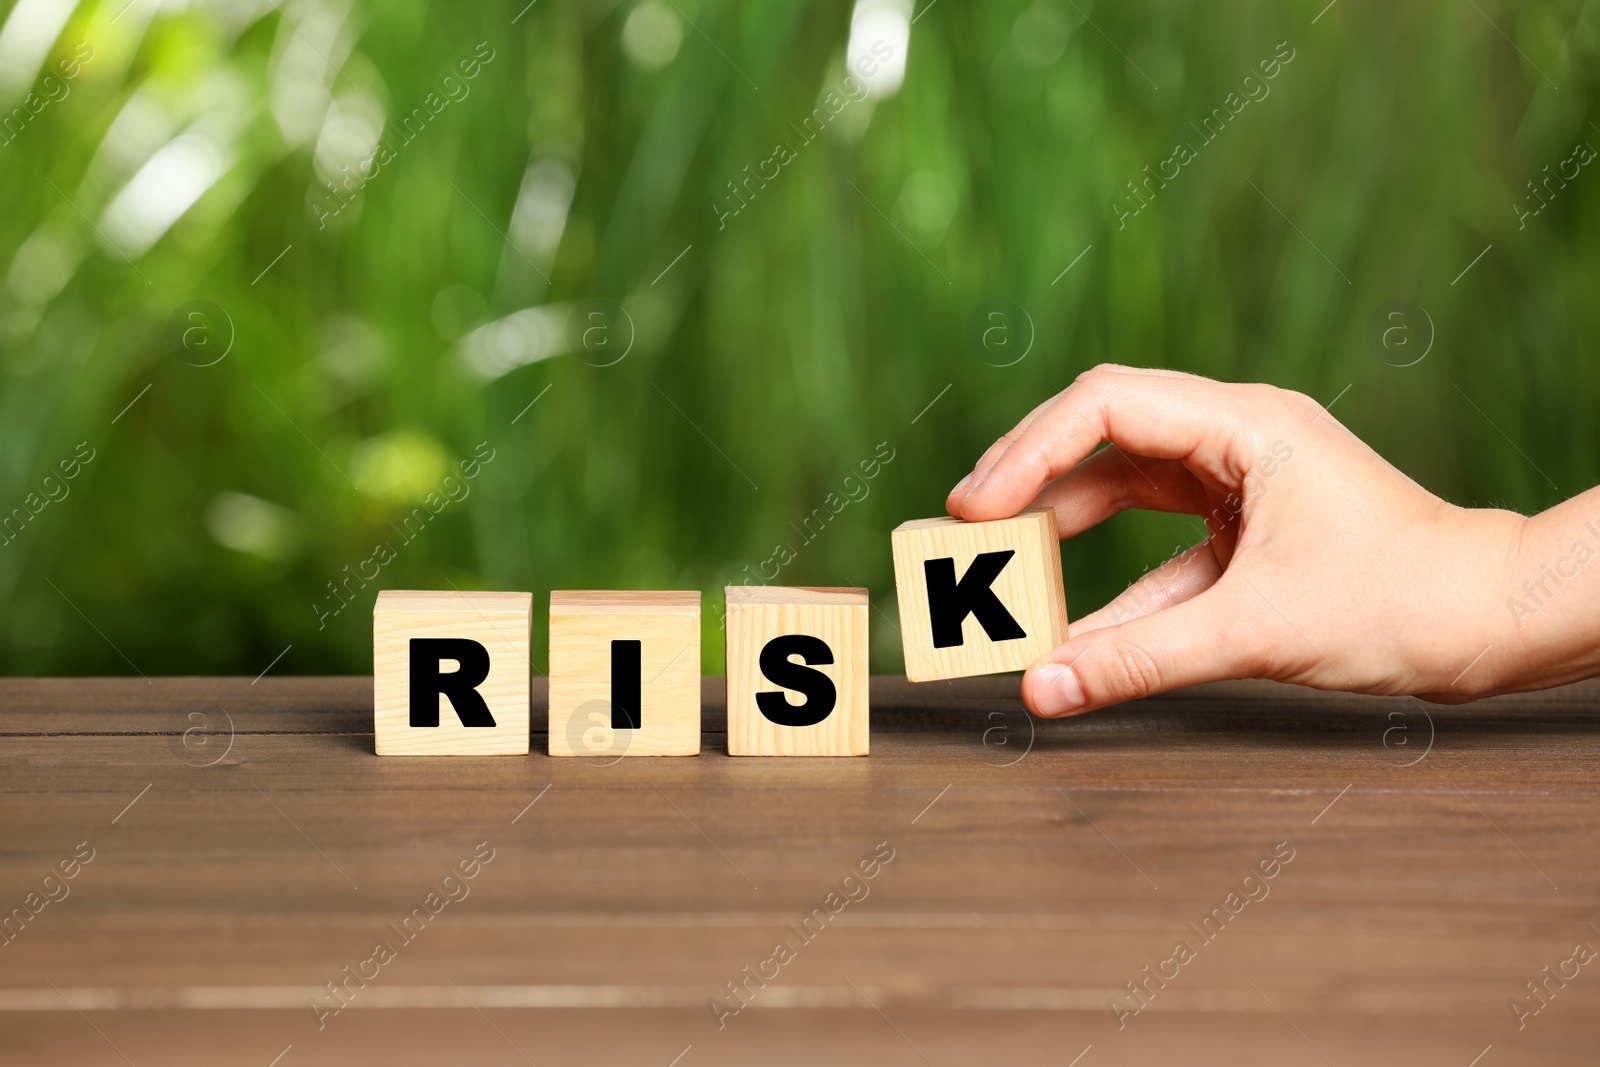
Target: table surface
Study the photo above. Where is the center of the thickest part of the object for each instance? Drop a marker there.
(248, 847)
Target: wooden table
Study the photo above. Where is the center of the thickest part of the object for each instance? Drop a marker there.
(1441, 859)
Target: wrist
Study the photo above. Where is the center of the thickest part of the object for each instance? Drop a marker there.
(1474, 645)
(1541, 629)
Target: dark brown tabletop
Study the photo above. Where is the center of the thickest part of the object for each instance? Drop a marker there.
(1283, 877)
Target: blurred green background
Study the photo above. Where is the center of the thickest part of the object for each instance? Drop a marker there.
(536, 203)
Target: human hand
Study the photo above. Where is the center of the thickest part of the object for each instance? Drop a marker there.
(1322, 564)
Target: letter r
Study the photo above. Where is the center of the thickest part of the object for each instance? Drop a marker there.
(950, 601)
(428, 684)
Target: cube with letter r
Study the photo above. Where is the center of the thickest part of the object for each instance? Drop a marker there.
(978, 597)
(450, 673)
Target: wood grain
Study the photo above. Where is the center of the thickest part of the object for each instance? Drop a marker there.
(500, 622)
(755, 615)
(582, 627)
(1030, 588)
(1442, 857)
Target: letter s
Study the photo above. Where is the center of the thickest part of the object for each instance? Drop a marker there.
(816, 687)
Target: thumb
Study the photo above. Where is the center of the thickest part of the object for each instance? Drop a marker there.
(1199, 640)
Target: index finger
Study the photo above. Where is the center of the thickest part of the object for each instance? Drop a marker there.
(1164, 415)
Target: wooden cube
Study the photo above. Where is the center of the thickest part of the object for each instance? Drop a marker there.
(797, 671)
(978, 597)
(624, 674)
(450, 673)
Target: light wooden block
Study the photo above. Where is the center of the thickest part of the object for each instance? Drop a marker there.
(837, 618)
(583, 718)
(1026, 589)
(501, 623)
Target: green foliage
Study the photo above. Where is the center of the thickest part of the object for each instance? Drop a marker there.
(777, 353)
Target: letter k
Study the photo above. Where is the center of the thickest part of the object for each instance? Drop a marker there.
(950, 601)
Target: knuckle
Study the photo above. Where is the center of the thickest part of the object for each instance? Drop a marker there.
(1131, 671)
(1095, 374)
(1265, 391)
(1125, 493)
(1250, 643)
(1296, 401)
(1248, 657)
(1296, 396)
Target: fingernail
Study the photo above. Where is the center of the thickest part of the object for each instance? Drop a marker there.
(974, 487)
(1056, 690)
(962, 484)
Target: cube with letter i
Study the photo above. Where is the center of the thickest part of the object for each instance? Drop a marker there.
(797, 671)
(978, 597)
(450, 673)
(625, 673)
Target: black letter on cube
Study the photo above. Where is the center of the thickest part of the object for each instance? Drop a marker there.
(626, 698)
(461, 686)
(950, 601)
(815, 686)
